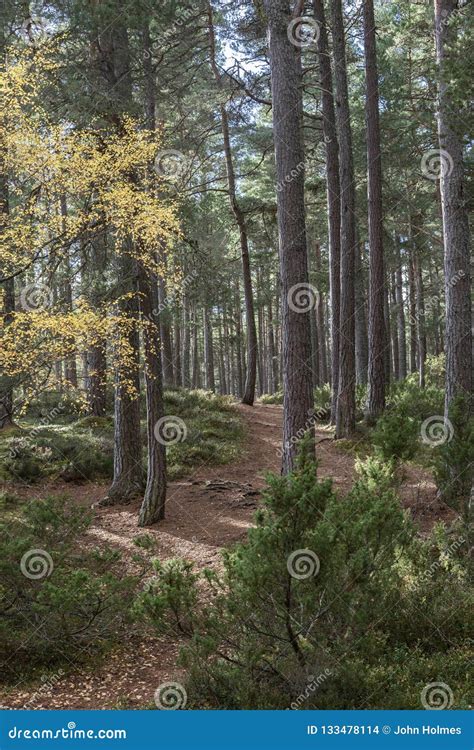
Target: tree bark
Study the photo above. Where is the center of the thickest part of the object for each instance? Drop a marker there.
(320, 327)
(110, 51)
(286, 81)
(345, 418)
(249, 391)
(402, 341)
(333, 195)
(376, 331)
(153, 504)
(458, 334)
(361, 344)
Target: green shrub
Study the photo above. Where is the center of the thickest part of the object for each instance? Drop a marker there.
(409, 399)
(22, 461)
(272, 398)
(396, 435)
(453, 461)
(330, 604)
(169, 597)
(57, 450)
(58, 596)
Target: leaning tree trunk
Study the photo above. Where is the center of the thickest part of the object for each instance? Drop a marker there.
(249, 391)
(376, 370)
(286, 78)
(333, 196)
(458, 335)
(345, 419)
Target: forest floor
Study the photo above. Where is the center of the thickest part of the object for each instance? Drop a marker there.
(212, 508)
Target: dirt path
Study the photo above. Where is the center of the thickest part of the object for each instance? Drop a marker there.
(212, 508)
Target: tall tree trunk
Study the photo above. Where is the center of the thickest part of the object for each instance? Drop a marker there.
(110, 50)
(402, 341)
(208, 350)
(177, 366)
(185, 358)
(128, 471)
(196, 379)
(412, 301)
(376, 374)
(153, 504)
(249, 392)
(394, 330)
(70, 364)
(272, 349)
(333, 195)
(458, 336)
(361, 343)
(286, 78)
(165, 333)
(321, 329)
(8, 289)
(345, 418)
(238, 335)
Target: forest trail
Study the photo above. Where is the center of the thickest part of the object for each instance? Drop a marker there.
(211, 508)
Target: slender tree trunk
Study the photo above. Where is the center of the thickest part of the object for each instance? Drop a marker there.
(333, 196)
(208, 350)
(402, 341)
(394, 330)
(186, 344)
(321, 329)
(196, 379)
(111, 55)
(345, 418)
(8, 289)
(286, 78)
(272, 349)
(153, 505)
(412, 301)
(238, 335)
(361, 343)
(458, 337)
(222, 377)
(177, 366)
(376, 374)
(165, 334)
(249, 392)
